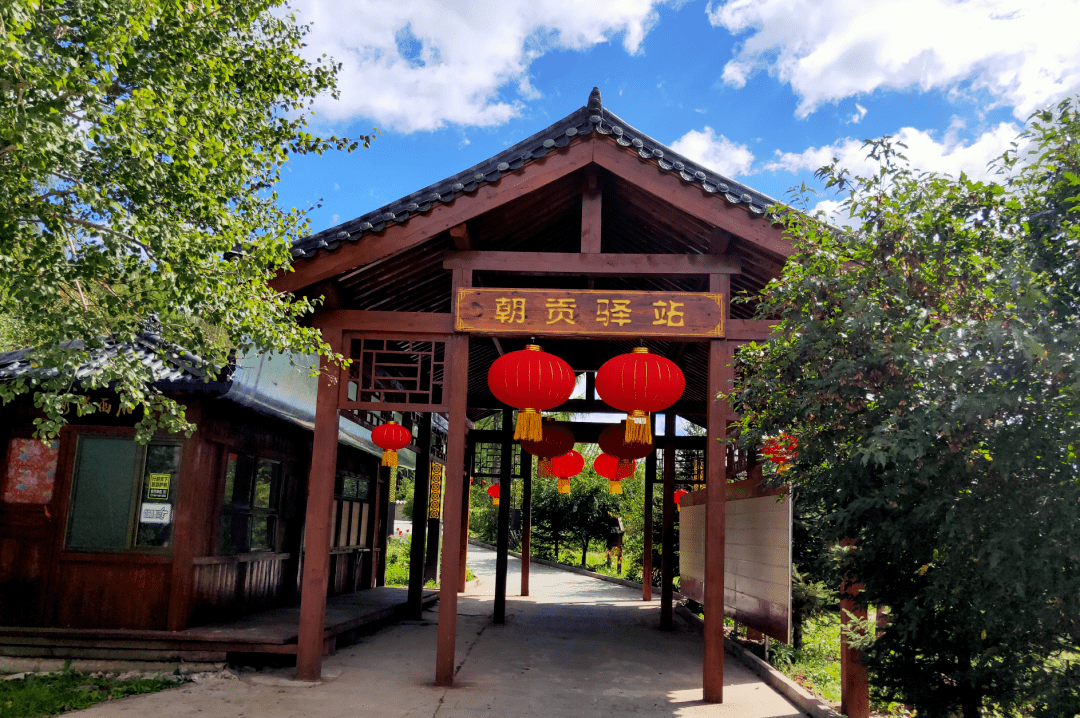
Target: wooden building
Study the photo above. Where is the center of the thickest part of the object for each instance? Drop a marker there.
(590, 238)
(98, 532)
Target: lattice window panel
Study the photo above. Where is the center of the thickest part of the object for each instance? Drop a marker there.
(487, 460)
(396, 371)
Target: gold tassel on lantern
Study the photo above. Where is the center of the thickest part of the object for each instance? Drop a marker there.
(529, 426)
(615, 486)
(564, 485)
(389, 457)
(543, 469)
(638, 428)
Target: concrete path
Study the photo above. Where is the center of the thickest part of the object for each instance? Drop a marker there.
(577, 647)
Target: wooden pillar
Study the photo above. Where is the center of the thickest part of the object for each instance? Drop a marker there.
(465, 498)
(502, 548)
(317, 525)
(457, 375)
(376, 523)
(526, 519)
(721, 379)
(646, 558)
(197, 478)
(419, 519)
(667, 557)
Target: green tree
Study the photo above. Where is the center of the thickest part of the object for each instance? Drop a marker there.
(140, 142)
(926, 362)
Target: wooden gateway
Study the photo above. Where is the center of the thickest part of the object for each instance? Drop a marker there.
(589, 237)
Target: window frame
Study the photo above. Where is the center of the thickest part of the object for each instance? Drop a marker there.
(227, 508)
(69, 463)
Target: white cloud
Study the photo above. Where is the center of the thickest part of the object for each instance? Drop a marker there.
(1024, 53)
(420, 64)
(860, 112)
(924, 152)
(715, 152)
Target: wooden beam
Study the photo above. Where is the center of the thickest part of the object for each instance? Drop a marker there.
(459, 235)
(749, 330)
(570, 263)
(719, 241)
(590, 213)
(574, 406)
(587, 432)
(317, 524)
(358, 320)
(668, 187)
(398, 238)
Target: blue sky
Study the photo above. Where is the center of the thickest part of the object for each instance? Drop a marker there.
(763, 91)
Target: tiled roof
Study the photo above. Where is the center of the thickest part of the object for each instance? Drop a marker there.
(584, 121)
(171, 366)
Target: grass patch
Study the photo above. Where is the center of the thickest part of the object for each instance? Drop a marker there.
(53, 693)
(397, 563)
(815, 666)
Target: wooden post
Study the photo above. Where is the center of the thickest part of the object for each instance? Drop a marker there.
(465, 498)
(506, 470)
(721, 379)
(309, 649)
(667, 556)
(854, 681)
(526, 519)
(419, 519)
(646, 558)
(197, 478)
(376, 521)
(457, 374)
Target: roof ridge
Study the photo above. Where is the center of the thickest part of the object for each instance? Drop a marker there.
(593, 117)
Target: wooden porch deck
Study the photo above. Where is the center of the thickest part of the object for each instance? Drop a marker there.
(267, 632)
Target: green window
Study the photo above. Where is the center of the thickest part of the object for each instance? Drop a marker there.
(123, 494)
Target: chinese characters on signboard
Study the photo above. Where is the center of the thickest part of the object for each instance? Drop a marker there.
(589, 312)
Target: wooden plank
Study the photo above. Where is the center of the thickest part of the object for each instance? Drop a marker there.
(592, 263)
(589, 313)
(364, 321)
(669, 187)
(459, 235)
(749, 330)
(318, 524)
(398, 238)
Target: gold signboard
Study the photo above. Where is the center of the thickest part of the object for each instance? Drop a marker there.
(587, 312)
(435, 491)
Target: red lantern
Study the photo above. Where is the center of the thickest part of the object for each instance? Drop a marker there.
(679, 493)
(639, 383)
(612, 441)
(493, 492)
(390, 437)
(565, 466)
(614, 470)
(558, 439)
(533, 381)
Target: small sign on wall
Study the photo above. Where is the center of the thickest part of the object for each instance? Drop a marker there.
(157, 486)
(156, 514)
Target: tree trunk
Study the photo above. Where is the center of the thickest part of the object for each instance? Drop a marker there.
(584, 551)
